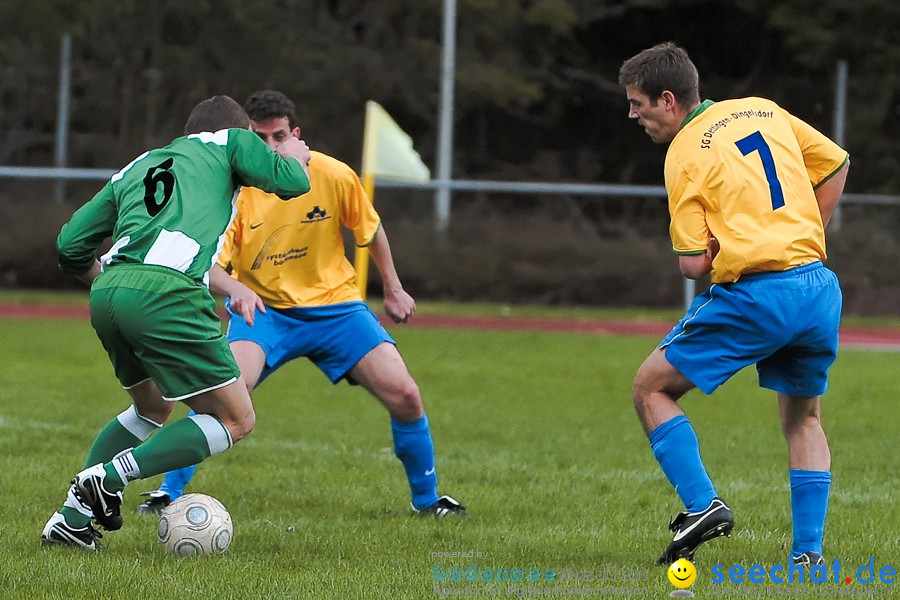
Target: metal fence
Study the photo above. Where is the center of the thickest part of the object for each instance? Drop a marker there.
(522, 188)
(453, 185)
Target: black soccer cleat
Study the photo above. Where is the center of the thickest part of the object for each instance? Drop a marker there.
(808, 559)
(106, 505)
(59, 533)
(445, 506)
(154, 505)
(692, 529)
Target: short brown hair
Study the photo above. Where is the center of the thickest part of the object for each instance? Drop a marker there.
(663, 67)
(213, 114)
(269, 104)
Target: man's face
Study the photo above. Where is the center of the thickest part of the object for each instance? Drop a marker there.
(274, 132)
(659, 116)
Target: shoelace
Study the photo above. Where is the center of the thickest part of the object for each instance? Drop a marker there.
(97, 535)
(677, 521)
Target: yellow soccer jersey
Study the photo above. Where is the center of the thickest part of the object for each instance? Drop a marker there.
(291, 252)
(744, 172)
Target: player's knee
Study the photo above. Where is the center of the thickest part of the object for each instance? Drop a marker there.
(640, 390)
(158, 414)
(241, 428)
(800, 415)
(406, 404)
(802, 425)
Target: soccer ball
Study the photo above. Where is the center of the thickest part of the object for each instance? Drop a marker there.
(194, 525)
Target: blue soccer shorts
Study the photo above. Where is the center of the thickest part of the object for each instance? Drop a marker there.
(785, 322)
(334, 337)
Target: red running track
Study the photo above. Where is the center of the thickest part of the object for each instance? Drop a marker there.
(886, 339)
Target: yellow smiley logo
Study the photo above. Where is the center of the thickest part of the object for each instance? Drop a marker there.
(682, 573)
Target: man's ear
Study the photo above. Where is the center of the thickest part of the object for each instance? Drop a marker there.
(296, 133)
(668, 99)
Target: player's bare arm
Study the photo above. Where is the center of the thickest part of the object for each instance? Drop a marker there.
(398, 305)
(244, 301)
(829, 193)
(697, 265)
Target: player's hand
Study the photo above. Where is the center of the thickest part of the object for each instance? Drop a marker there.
(245, 302)
(399, 306)
(294, 148)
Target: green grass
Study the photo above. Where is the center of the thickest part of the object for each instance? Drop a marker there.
(25, 296)
(534, 433)
(481, 309)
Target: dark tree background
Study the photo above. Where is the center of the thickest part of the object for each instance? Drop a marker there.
(536, 99)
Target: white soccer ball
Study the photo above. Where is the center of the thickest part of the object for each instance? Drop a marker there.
(194, 525)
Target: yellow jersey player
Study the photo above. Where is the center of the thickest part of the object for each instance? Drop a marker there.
(751, 189)
(292, 293)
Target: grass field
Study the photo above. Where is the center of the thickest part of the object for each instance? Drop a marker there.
(534, 433)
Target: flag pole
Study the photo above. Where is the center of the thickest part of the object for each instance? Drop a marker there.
(361, 261)
(387, 152)
(370, 142)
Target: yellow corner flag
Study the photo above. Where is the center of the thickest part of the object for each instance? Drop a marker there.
(388, 153)
(387, 150)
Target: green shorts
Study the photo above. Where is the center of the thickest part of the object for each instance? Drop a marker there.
(156, 323)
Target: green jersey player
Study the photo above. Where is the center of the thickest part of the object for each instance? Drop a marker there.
(166, 212)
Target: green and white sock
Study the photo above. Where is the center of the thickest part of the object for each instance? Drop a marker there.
(127, 430)
(75, 513)
(184, 443)
(124, 467)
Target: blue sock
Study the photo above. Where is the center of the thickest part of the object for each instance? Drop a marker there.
(414, 448)
(677, 450)
(809, 503)
(175, 481)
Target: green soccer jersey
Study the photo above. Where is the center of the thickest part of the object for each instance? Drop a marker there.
(171, 206)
